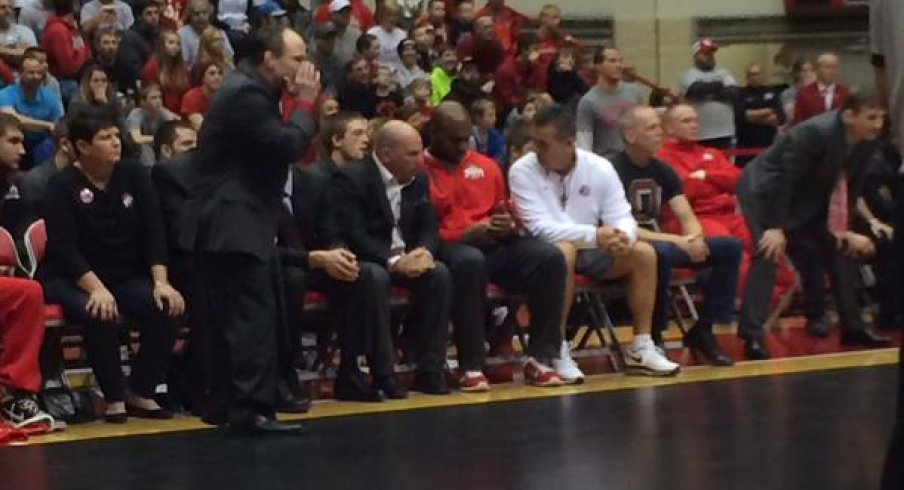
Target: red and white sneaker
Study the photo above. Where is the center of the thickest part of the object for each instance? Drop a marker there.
(538, 374)
(473, 382)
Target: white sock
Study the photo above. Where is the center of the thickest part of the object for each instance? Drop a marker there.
(473, 374)
(641, 340)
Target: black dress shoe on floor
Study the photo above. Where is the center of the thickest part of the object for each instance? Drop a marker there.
(430, 383)
(390, 388)
(259, 425)
(755, 350)
(288, 401)
(143, 413)
(865, 338)
(704, 343)
(351, 386)
(818, 328)
(116, 418)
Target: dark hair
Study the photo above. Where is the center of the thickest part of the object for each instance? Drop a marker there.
(518, 135)
(526, 41)
(405, 112)
(336, 125)
(401, 47)
(364, 42)
(88, 120)
(60, 131)
(105, 31)
(860, 100)
(798, 67)
(480, 107)
(558, 116)
(7, 122)
(166, 134)
(63, 8)
(599, 53)
(267, 38)
(351, 64)
(33, 52)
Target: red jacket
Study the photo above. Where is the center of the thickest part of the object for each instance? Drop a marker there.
(715, 194)
(465, 195)
(66, 50)
(360, 12)
(811, 103)
(512, 83)
(507, 26)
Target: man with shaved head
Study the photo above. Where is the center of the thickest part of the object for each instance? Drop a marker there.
(383, 204)
(823, 95)
(654, 189)
(479, 241)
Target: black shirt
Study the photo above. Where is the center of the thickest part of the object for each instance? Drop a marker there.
(117, 232)
(647, 188)
(17, 206)
(752, 98)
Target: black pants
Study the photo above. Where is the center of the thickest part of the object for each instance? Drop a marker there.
(361, 307)
(188, 372)
(135, 300)
(761, 278)
(521, 265)
(428, 318)
(244, 318)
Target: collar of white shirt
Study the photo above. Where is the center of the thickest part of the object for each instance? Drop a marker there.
(387, 176)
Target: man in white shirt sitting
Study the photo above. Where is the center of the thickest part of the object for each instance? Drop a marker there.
(575, 199)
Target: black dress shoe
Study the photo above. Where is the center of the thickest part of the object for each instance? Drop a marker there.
(755, 350)
(390, 388)
(116, 418)
(288, 401)
(703, 342)
(866, 338)
(351, 386)
(430, 383)
(143, 413)
(818, 328)
(259, 425)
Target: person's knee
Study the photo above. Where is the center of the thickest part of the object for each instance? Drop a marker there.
(569, 253)
(726, 249)
(642, 256)
(551, 258)
(464, 260)
(371, 275)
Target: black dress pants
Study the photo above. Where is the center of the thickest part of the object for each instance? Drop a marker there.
(428, 317)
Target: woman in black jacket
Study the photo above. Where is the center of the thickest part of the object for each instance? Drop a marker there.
(106, 255)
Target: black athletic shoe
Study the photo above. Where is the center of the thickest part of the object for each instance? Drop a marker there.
(23, 410)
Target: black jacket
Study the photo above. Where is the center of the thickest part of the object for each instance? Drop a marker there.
(365, 218)
(172, 181)
(310, 225)
(237, 179)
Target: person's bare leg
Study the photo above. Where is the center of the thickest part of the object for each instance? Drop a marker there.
(570, 252)
(639, 266)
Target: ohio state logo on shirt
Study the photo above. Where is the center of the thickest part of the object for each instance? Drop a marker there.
(473, 172)
(86, 196)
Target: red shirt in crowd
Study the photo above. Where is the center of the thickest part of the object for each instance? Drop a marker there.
(288, 104)
(715, 194)
(360, 12)
(66, 49)
(512, 83)
(6, 73)
(172, 98)
(507, 23)
(466, 194)
(487, 55)
(811, 102)
(194, 101)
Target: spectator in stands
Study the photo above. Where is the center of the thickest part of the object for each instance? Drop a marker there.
(411, 115)
(368, 47)
(485, 138)
(65, 47)
(21, 302)
(169, 70)
(106, 13)
(711, 91)
(426, 45)
(507, 23)
(95, 268)
(95, 89)
(332, 72)
(826, 94)
(357, 94)
(144, 121)
(408, 70)
(760, 113)
(480, 243)
(49, 80)
(388, 96)
(462, 21)
(807, 194)
(388, 220)
(421, 97)
(34, 182)
(211, 50)
(517, 75)
(442, 75)
(602, 106)
(14, 38)
(34, 15)
(467, 87)
(483, 47)
(199, 15)
(106, 49)
(138, 44)
(36, 106)
(563, 194)
(552, 39)
(340, 14)
(710, 182)
(345, 140)
(436, 17)
(651, 186)
(802, 74)
(196, 101)
(173, 138)
(566, 86)
(329, 107)
(518, 143)
(360, 15)
(388, 32)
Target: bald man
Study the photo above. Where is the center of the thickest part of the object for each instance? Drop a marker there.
(387, 218)
(480, 243)
(823, 95)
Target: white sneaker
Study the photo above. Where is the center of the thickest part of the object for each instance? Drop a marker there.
(649, 361)
(565, 366)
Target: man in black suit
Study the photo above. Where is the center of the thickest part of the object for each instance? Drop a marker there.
(231, 219)
(802, 189)
(383, 203)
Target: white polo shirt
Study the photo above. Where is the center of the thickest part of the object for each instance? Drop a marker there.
(570, 208)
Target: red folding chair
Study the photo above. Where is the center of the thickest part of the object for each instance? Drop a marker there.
(35, 245)
(9, 257)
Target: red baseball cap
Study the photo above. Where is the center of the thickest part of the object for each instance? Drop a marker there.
(705, 46)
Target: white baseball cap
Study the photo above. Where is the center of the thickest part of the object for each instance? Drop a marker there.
(337, 5)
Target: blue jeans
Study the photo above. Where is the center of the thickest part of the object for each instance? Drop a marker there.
(724, 261)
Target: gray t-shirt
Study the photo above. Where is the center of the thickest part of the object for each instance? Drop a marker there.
(124, 17)
(597, 118)
(716, 118)
(17, 34)
(148, 125)
(887, 40)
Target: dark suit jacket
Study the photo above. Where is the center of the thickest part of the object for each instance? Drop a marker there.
(244, 151)
(172, 180)
(810, 102)
(364, 215)
(311, 225)
(791, 183)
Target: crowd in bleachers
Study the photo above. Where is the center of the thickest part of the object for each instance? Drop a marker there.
(514, 157)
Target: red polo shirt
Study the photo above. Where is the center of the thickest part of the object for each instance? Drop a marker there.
(715, 194)
(464, 195)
